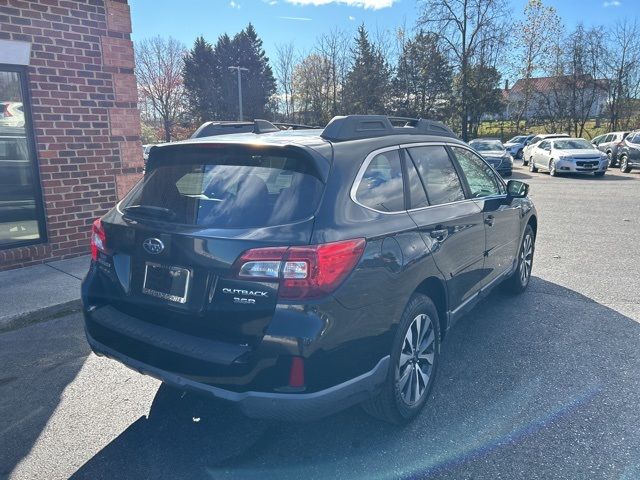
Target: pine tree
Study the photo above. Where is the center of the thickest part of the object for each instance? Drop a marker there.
(423, 81)
(225, 79)
(367, 83)
(258, 83)
(198, 75)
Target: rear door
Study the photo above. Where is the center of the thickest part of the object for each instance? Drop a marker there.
(634, 149)
(451, 226)
(501, 214)
(176, 236)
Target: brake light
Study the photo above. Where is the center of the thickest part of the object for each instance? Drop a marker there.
(303, 272)
(296, 372)
(98, 239)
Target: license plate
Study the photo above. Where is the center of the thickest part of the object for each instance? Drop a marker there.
(166, 282)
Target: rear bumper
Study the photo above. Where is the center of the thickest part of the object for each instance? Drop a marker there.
(278, 406)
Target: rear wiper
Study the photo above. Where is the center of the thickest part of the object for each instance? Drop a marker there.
(150, 211)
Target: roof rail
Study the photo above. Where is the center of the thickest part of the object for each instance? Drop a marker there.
(353, 127)
(293, 126)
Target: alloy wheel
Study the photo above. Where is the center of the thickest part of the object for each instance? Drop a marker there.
(623, 164)
(526, 259)
(415, 364)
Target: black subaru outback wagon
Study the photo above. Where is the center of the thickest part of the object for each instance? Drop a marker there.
(298, 273)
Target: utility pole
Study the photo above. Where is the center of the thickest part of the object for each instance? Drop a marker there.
(239, 69)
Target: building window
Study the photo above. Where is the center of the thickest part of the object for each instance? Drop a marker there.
(21, 210)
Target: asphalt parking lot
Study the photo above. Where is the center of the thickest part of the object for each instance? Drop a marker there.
(544, 385)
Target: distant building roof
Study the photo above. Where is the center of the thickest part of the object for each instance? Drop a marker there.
(545, 84)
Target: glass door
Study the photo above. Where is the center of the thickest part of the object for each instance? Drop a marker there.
(21, 211)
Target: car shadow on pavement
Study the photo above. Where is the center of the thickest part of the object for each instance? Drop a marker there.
(36, 365)
(531, 386)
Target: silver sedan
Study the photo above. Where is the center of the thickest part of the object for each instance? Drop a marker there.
(568, 155)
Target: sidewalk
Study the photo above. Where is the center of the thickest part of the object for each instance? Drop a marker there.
(33, 294)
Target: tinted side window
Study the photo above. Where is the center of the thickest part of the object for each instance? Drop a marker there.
(381, 185)
(416, 190)
(544, 145)
(608, 138)
(480, 177)
(438, 174)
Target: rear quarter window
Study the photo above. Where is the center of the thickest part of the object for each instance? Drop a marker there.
(381, 186)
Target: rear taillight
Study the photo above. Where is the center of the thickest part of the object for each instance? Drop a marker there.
(296, 372)
(98, 239)
(303, 272)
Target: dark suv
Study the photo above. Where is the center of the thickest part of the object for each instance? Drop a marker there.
(629, 152)
(298, 273)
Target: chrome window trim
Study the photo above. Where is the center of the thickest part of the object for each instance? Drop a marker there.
(370, 157)
(360, 174)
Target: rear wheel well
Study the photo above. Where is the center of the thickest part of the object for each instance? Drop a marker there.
(434, 288)
(533, 221)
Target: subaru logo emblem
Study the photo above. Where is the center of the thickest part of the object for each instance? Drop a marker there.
(154, 246)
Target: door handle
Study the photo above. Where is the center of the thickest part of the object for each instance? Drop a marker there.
(489, 219)
(439, 234)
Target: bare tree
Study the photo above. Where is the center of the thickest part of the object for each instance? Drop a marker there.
(574, 94)
(468, 28)
(313, 89)
(334, 48)
(284, 70)
(621, 62)
(534, 40)
(159, 63)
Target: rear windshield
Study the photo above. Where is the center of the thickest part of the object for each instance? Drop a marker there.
(229, 190)
(487, 145)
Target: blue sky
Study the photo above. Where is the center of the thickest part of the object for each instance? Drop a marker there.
(280, 21)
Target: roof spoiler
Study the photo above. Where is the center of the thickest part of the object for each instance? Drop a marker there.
(354, 127)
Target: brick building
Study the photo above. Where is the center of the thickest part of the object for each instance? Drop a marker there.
(69, 123)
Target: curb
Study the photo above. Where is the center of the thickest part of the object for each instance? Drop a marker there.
(21, 320)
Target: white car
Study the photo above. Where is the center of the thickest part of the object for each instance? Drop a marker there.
(530, 144)
(516, 145)
(568, 155)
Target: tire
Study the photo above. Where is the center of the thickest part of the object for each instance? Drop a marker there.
(532, 166)
(624, 164)
(612, 160)
(519, 155)
(400, 402)
(552, 169)
(519, 280)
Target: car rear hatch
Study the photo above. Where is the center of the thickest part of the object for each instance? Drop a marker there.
(170, 247)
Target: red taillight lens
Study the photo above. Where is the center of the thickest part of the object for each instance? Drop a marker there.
(98, 239)
(296, 373)
(303, 272)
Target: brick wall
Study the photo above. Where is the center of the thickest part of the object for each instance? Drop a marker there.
(86, 121)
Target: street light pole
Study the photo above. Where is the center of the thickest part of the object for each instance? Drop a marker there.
(239, 69)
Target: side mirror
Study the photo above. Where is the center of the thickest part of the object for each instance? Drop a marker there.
(517, 189)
